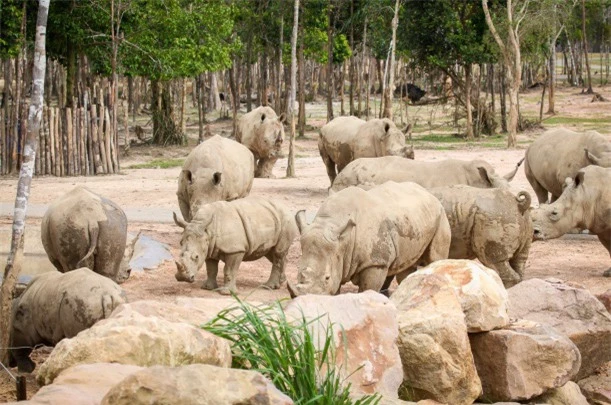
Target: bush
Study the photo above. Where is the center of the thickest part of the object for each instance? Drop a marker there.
(263, 339)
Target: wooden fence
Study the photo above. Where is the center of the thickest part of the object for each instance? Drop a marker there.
(72, 142)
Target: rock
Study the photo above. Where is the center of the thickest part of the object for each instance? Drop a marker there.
(568, 394)
(185, 385)
(480, 291)
(194, 311)
(605, 298)
(597, 387)
(137, 340)
(365, 328)
(85, 384)
(433, 342)
(573, 312)
(523, 360)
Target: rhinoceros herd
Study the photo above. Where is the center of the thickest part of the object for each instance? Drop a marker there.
(386, 214)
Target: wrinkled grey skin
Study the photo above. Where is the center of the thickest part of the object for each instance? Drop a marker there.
(368, 172)
(367, 236)
(83, 229)
(241, 230)
(585, 203)
(218, 169)
(561, 153)
(345, 139)
(55, 306)
(493, 226)
(262, 132)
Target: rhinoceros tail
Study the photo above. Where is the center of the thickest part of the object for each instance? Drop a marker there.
(93, 243)
(524, 200)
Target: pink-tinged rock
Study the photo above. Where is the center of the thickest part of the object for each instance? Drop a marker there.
(597, 387)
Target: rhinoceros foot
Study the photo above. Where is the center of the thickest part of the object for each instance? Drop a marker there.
(607, 273)
(210, 284)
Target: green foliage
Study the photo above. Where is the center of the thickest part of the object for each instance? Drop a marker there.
(159, 164)
(263, 339)
(11, 14)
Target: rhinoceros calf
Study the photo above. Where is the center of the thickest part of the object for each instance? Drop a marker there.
(560, 153)
(585, 203)
(368, 172)
(55, 306)
(262, 131)
(367, 236)
(218, 169)
(492, 225)
(344, 139)
(241, 230)
(83, 229)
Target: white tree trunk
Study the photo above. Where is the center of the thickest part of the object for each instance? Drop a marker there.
(390, 88)
(13, 263)
(290, 168)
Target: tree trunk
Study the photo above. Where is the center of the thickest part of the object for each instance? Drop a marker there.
(330, 64)
(290, 168)
(552, 79)
(183, 106)
(352, 61)
(14, 260)
(201, 111)
(545, 82)
(264, 78)
(389, 90)
(301, 70)
(503, 100)
(248, 76)
(492, 95)
(278, 97)
(585, 45)
(165, 130)
(468, 74)
(342, 78)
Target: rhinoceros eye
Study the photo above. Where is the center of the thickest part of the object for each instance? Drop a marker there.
(554, 215)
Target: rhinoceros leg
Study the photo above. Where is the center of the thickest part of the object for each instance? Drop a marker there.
(265, 167)
(372, 278)
(606, 241)
(540, 191)
(22, 358)
(508, 275)
(277, 276)
(329, 165)
(232, 264)
(212, 269)
(518, 261)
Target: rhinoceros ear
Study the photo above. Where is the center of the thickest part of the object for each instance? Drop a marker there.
(180, 222)
(262, 117)
(579, 178)
(216, 178)
(386, 132)
(408, 129)
(341, 232)
(591, 157)
(282, 118)
(483, 171)
(188, 176)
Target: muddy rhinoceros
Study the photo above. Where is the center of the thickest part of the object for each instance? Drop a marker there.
(241, 230)
(585, 203)
(83, 229)
(560, 153)
(367, 236)
(367, 172)
(218, 169)
(262, 131)
(55, 306)
(344, 139)
(491, 225)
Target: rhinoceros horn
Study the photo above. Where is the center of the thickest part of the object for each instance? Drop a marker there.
(591, 157)
(509, 176)
(301, 220)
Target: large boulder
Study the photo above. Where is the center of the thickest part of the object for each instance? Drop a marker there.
(605, 298)
(572, 311)
(480, 291)
(597, 387)
(195, 384)
(568, 394)
(85, 384)
(433, 342)
(523, 360)
(137, 340)
(365, 330)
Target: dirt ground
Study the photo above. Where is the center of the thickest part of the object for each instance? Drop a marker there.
(579, 259)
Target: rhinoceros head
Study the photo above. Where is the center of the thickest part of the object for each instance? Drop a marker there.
(193, 248)
(270, 133)
(205, 185)
(392, 140)
(320, 268)
(124, 268)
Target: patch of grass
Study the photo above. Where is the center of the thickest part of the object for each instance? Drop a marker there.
(159, 164)
(264, 340)
(438, 138)
(558, 120)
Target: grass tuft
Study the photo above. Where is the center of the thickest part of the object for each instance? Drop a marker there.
(264, 340)
(159, 164)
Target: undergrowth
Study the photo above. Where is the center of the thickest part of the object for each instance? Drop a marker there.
(285, 351)
(159, 164)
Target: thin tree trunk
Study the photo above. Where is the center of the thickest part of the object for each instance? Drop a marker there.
(201, 112)
(278, 97)
(301, 70)
(248, 75)
(330, 64)
(389, 90)
(290, 168)
(468, 74)
(585, 45)
(352, 61)
(15, 257)
(552, 79)
(503, 100)
(545, 82)
(342, 78)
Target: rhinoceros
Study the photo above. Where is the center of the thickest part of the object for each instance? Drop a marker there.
(55, 306)
(84, 229)
(367, 172)
(344, 139)
(262, 131)
(560, 153)
(585, 203)
(241, 230)
(491, 225)
(218, 169)
(366, 236)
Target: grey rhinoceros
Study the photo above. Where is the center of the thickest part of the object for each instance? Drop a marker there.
(55, 306)
(218, 169)
(560, 153)
(492, 225)
(344, 139)
(262, 132)
(585, 203)
(367, 236)
(236, 231)
(368, 172)
(84, 229)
